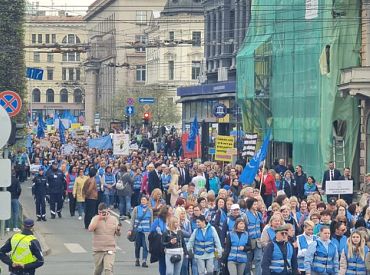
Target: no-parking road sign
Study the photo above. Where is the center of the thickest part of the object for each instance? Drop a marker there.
(11, 102)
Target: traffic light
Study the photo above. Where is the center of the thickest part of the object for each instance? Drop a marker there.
(146, 118)
(13, 134)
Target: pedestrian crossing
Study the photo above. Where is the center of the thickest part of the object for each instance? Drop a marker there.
(76, 248)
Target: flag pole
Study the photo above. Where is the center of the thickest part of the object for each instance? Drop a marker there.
(196, 145)
(261, 179)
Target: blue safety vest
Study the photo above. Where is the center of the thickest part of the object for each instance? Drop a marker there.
(144, 224)
(137, 182)
(230, 224)
(71, 183)
(237, 255)
(303, 245)
(193, 223)
(355, 264)
(204, 243)
(271, 232)
(309, 189)
(254, 225)
(323, 260)
(340, 245)
(277, 262)
(166, 181)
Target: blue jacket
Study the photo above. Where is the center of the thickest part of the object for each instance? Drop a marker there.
(237, 255)
(340, 244)
(143, 225)
(355, 264)
(254, 224)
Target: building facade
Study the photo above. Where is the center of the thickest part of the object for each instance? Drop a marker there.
(56, 45)
(115, 66)
(179, 30)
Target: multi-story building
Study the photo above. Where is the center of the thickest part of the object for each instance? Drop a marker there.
(114, 65)
(178, 60)
(53, 44)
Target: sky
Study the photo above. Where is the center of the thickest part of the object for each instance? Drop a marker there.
(79, 6)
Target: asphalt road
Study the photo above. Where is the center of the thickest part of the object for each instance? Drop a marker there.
(70, 244)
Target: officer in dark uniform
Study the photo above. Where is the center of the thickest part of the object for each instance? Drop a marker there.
(39, 188)
(22, 252)
(57, 187)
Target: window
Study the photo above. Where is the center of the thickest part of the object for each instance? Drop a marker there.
(195, 70)
(197, 39)
(50, 57)
(170, 101)
(50, 74)
(49, 95)
(64, 96)
(47, 38)
(171, 36)
(171, 70)
(77, 96)
(53, 38)
(64, 58)
(33, 38)
(64, 74)
(140, 73)
(36, 57)
(36, 95)
(78, 74)
(39, 38)
(70, 74)
(140, 17)
(140, 39)
(78, 56)
(71, 56)
(71, 39)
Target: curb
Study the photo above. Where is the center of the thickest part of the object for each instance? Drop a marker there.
(46, 250)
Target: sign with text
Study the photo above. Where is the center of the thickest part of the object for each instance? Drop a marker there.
(223, 145)
(121, 144)
(339, 187)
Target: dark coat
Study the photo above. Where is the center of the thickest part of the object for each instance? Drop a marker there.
(156, 249)
(326, 177)
(154, 181)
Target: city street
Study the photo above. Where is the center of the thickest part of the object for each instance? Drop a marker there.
(70, 244)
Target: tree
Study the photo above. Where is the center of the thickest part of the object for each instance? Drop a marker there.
(163, 112)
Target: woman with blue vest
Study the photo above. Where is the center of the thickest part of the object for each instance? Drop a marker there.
(109, 184)
(236, 247)
(219, 217)
(206, 245)
(352, 260)
(321, 257)
(310, 187)
(141, 221)
(254, 222)
(303, 241)
(338, 238)
(268, 232)
(279, 257)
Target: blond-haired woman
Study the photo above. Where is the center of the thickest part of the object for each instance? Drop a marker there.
(174, 247)
(156, 201)
(77, 192)
(352, 260)
(268, 233)
(174, 188)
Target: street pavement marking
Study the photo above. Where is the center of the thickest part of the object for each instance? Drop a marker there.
(75, 248)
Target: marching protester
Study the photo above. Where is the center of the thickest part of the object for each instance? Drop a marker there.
(22, 252)
(15, 191)
(105, 228)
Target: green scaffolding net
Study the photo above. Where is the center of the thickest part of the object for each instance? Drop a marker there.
(288, 71)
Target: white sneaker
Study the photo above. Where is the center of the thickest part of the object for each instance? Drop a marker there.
(16, 229)
(79, 218)
(7, 229)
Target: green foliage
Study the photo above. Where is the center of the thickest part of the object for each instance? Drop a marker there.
(12, 65)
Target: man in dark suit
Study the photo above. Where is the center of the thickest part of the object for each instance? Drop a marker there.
(330, 174)
(184, 177)
(347, 176)
(154, 178)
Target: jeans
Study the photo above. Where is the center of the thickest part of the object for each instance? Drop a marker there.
(124, 205)
(162, 265)
(141, 241)
(173, 269)
(194, 266)
(13, 221)
(80, 207)
(239, 268)
(185, 266)
(256, 257)
(108, 200)
(203, 265)
(268, 200)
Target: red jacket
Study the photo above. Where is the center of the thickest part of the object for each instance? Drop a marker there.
(270, 186)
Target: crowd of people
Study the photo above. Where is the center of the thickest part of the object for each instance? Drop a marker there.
(197, 217)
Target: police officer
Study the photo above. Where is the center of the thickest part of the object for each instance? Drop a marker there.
(279, 256)
(57, 187)
(39, 188)
(22, 252)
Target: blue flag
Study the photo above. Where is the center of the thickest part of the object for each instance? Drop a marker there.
(40, 127)
(102, 143)
(62, 130)
(251, 169)
(192, 139)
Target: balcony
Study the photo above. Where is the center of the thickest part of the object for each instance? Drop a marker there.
(355, 82)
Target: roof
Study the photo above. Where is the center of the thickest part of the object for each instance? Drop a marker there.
(57, 19)
(174, 7)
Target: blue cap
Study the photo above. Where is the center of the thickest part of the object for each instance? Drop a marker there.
(28, 223)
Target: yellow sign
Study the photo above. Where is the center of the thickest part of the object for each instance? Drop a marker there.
(223, 146)
(75, 126)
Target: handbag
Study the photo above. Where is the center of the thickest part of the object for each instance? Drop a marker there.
(119, 185)
(175, 258)
(132, 236)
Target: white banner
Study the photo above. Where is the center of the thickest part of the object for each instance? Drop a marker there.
(312, 9)
(339, 187)
(121, 144)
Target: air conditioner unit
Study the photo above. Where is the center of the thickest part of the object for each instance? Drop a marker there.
(222, 74)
